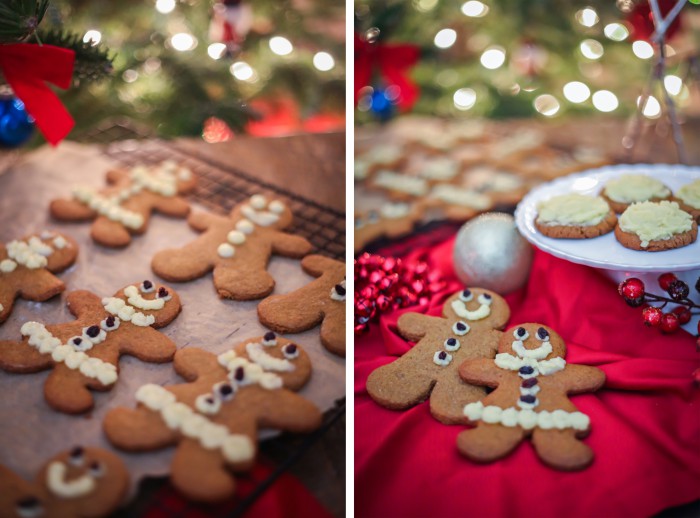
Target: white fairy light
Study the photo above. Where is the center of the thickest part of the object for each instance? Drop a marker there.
(281, 45)
(493, 57)
(323, 61)
(673, 84)
(242, 71)
(591, 49)
(576, 92)
(130, 75)
(165, 6)
(616, 31)
(183, 42)
(216, 50)
(546, 104)
(475, 9)
(445, 38)
(587, 17)
(652, 108)
(605, 101)
(93, 37)
(464, 98)
(642, 49)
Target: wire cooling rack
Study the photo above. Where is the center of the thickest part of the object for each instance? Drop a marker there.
(220, 187)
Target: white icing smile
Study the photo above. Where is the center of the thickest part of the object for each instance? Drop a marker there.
(540, 353)
(59, 486)
(482, 312)
(135, 299)
(258, 355)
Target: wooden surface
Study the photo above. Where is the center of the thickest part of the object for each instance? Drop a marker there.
(312, 166)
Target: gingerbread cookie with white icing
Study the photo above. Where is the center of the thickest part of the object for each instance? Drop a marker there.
(383, 156)
(321, 302)
(82, 482)
(574, 216)
(468, 329)
(655, 227)
(391, 220)
(28, 265)
(213, 420)
(237, 248)
(531, 382)
(623, 191)
(458, 203)
(399, 186)
(125, 206)
(688, 198)
(84, 355)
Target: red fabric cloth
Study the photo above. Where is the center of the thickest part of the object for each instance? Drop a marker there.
(27, 68)
(286, 498)
(645, 421)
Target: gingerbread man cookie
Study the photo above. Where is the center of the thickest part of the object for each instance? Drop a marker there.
(82, 482)
(27, 267)
(391, 220)
(237, 248)
(84, 354)
(124, 207)
(213, 420)
(320, 302)
(468, 329)
(532, 382)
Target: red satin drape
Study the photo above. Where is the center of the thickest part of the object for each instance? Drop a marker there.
(645, 421)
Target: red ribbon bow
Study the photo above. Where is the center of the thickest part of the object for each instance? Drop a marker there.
(393, 62)
(27, 68)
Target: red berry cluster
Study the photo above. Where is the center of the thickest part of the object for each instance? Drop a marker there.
(383, 284)
(632, 290)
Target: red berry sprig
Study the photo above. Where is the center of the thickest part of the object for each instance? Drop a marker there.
(633, 291)
(383, 284)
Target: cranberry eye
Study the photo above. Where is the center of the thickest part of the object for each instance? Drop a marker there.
(485, 298)
(340, 289)
(290, 351)
(466, 295)
(96, 469)
(77, 456)
(147, 286)
(543, 334)
(162, 293)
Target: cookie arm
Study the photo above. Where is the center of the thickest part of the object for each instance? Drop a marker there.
(70, 210)
(200, 473)
(286, 410)
(581, 378)
(316, 265)
(482, 371)
(192, 362)
(137, 429)
(110, 233)
(43, 286)
(289, 245)
(146, 344)
(201, 220)
(184, 264)
(174, 206)
(413, 326)
(285, 314)
(22, 358)
(81, 302)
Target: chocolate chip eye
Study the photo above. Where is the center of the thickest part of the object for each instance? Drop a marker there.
(485, 298)
(466, 295)
(93, 331)
(76, 455)
(269, 336)
(29, 507)
(96, 469)
(521, 332)
(290, 351)
(339, 289)
(542, 334)
(239, 374)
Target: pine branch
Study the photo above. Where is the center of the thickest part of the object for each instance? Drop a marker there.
(19, 19)
(92, 62)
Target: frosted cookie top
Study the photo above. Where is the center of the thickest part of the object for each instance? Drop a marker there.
(453, 195)
(630, 188)
(690, 194)
(655, 221)
(572, 210)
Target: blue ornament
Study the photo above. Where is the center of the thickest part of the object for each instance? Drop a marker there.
(16, 125)
(382, 106)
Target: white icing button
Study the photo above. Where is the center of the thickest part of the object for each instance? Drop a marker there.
(442, 358)
(245, 226)
(60, 242)
(258, 201)
(452, 344)
(236, 237)
(460, 328)
(207, 404)
(276, 206)
(225, 250)
(7, 266)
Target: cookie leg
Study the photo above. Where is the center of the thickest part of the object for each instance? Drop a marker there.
(489, 442)
(137, 430)
(561, 449)
(397, 386)
(333, 334)
(449, 396)
(242, 284)
(109, 233)
(200, 474)
(65, 391)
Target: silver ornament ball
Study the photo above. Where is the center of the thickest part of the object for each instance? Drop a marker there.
(490, 253)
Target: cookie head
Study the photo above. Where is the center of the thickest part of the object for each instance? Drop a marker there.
(92, 481)
(263, 211)
(477, 307)
(534, 341)
(145, 303)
